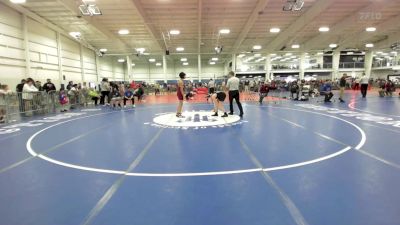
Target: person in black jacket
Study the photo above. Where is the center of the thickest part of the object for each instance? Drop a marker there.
(19, 89)
(48, 86)
(20, 86)
(342, 85)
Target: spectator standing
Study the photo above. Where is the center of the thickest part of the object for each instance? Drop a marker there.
(105, 91)
(38, 85)
(364, 85)
(63, 99)
(48, 86)
(27, 94)
(69, 86)
(73, 95)
(263, 91)
(4, 90)
(18, 89)
(342, 85)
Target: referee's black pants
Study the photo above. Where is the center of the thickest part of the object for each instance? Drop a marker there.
(235, 95)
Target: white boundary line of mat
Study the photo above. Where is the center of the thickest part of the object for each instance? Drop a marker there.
(215, 173)
(351, 105)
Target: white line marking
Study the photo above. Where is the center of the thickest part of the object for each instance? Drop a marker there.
(379, 159)
(310, 161)
(351, 106)
(214, 173)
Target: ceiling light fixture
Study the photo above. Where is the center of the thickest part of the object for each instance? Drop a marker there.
(17, 1)
(323, 29)
(185, 63)
(75, 34)
(214, 59)
(121, 60)
(183, 59)
(332, 45)
(89, 9)
(212, 63)
(241, 55)
(123, 31)
(140, 50)
(152, 60)
(174, 32)
(320, 53)
(158, 64)
(257, 47)
(295, 46)
(224, 31)
(274, 30)
(350, 53)
(370, 29)
(180, 49)
(369, 45)
(103, 50)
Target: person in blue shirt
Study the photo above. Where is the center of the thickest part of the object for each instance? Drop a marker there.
(327, 91)
(128, 96)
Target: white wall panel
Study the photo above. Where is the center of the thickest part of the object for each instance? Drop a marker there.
(12, 53)
(10, 17)
(9, 41)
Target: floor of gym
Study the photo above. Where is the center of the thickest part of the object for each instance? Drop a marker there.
(285, 162)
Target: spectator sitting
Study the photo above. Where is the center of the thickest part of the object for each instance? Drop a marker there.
(115, 96)
(327, 91)
(128, 96)
(94, 95)
(139, 92)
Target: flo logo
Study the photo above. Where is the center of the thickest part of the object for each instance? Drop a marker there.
(195, 120)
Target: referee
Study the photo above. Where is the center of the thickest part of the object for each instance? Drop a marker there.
(233, 86)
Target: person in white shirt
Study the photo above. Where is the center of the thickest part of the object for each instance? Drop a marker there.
(232, 85)
(211, 87)
(27, 95)
(364, 85)
(29, 87)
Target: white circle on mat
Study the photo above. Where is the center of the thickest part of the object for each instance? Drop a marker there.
(207, 173)
(195, 119)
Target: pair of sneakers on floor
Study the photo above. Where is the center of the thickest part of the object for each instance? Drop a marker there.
(216, 114)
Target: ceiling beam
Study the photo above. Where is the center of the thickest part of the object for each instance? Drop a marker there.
(391, 39)
(44, 22)
(199, 14)
(360, 38)
(143, 16)
(261, 4)
(306, 18)
(71, 6)
(339, 27)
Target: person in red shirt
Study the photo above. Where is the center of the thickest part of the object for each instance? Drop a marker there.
(179, 92)
(263, 92)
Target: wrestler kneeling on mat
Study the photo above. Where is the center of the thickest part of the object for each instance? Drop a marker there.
(218, 99)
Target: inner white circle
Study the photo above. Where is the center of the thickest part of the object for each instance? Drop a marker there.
(195, 119)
